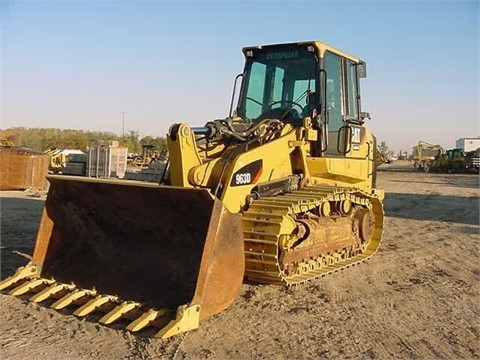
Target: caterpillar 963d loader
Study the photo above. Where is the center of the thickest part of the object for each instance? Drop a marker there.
(280, 192)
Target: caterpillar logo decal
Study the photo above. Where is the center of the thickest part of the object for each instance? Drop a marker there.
(358, 134)
(249, 174)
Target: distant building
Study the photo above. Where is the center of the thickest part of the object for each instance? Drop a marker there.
(468, 144)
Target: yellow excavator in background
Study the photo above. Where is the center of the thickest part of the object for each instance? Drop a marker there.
(424, 154)
(57, 159)
(282, 191)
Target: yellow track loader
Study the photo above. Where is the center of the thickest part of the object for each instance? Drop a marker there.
(282, 191)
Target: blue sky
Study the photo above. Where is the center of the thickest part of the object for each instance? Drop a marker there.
(78, 65)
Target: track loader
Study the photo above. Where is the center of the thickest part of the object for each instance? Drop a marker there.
(282, 191)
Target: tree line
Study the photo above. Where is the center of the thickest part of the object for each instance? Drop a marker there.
(47, 138)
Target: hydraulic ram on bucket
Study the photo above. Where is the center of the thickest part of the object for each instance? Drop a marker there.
(158, 255)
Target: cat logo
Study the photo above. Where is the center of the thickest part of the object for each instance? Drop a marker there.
(357, 134)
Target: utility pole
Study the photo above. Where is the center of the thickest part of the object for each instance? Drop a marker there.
(123, 124)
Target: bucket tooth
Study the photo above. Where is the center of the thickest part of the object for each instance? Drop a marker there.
(21, 273)
(188, 318)
(51, 291)
(145, 319)
(72, 297)
(119, 311)
(30, 285)
(94, 304)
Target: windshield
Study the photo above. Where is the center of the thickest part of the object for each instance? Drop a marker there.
(279, 83)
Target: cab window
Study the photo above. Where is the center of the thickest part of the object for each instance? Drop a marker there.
(351, 78)
(334, 90)
(255, 91)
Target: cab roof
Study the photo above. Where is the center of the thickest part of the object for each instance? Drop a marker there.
(320, 47)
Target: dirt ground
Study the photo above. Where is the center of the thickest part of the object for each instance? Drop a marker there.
(418, 298)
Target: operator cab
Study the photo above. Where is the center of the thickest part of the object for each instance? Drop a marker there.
(279, 80)
(290, 82)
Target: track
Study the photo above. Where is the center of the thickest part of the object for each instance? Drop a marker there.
(268, 225)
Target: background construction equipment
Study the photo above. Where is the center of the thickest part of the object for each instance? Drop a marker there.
(424, 154)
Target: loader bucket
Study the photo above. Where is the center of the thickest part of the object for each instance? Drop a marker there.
(154, 248)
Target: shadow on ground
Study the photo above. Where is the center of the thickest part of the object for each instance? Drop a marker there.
(469, 181)
(433, 207)
(19, 221)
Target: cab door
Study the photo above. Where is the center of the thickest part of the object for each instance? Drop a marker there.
(334, 97)
(341, 103)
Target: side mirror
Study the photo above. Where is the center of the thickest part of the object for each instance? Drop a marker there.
(233, 112)
(362, 70)
(365, 115)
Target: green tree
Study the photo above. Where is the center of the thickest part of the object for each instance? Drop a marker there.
(383, 148)
(131, 141)
(46, 138)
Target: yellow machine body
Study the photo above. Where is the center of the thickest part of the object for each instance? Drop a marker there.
(277, 195)
(57, 159)
(425, 154)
